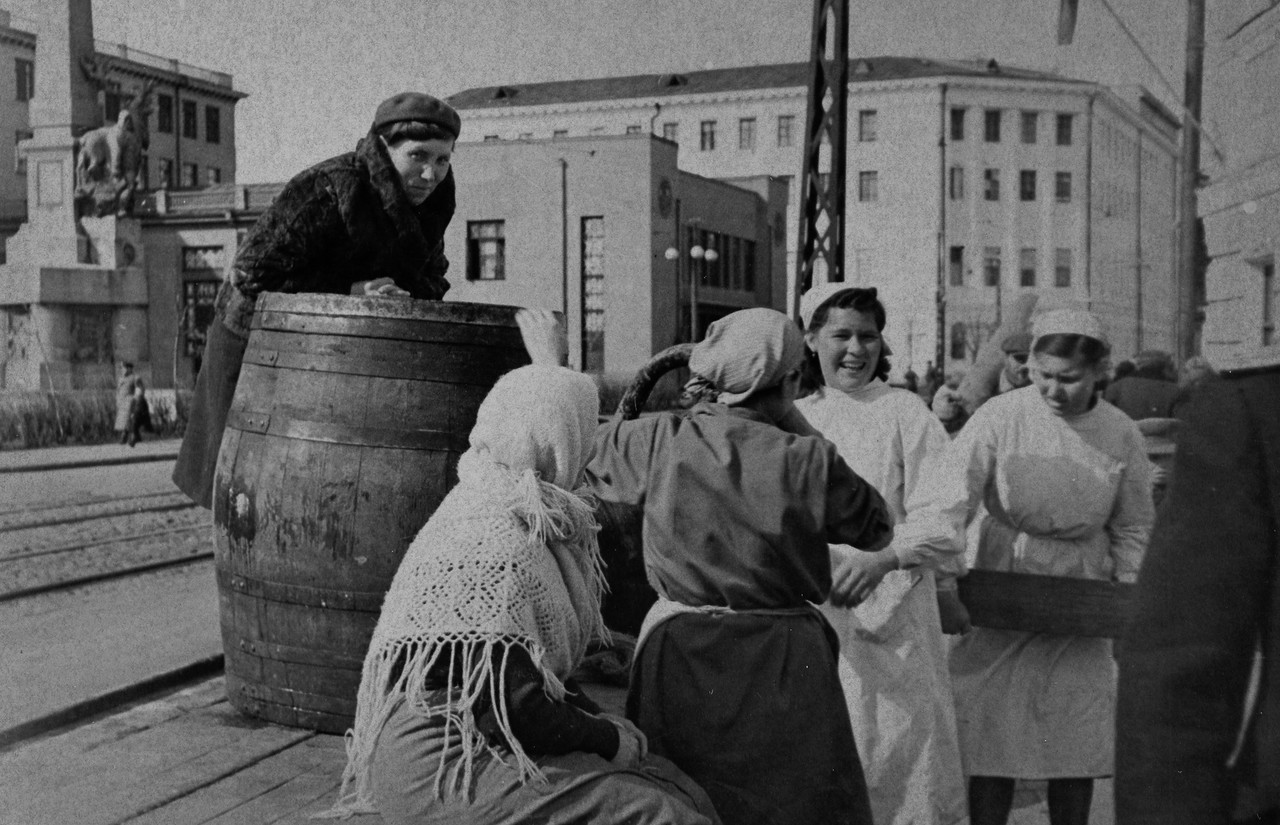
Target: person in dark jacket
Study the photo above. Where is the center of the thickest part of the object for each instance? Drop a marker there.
(368, 222)
(1198, 720)
(1148, 391)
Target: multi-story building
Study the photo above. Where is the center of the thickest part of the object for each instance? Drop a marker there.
(1240, 205)
(967, 183)
(191, 124)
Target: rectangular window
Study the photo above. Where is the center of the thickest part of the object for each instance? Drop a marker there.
(991, 266)
(786, 127)
(956, 183)
(866, 125)
(199, 301)
(959, 341)
(957, 123)
(91, 334)
(20, 159)
(164, 173)
(749, 266)
(190, 175)
(491, 139)
(164, 114)
(25, 76)
(747, 134)
(204, 259)
(559, 133)
(111, 107)
(525, 136)
(1062, 267)
(486, 250)
(212, 175)
(1027, 184)
(991, 126)
(144, 172)
(868, 186)
(1027, 267)
(1064, 129)
(956, 266)
(1268, 303)
(593, 294)
(1029, 123)
(634, 129)
(671, 131)
(212, 124)
(991, 190)
(1062, 187)
(189, 129)
(708, 141)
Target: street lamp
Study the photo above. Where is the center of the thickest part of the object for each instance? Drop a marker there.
(698, 254)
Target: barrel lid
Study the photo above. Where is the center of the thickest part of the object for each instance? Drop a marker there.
(410, 309)
(1247, 360)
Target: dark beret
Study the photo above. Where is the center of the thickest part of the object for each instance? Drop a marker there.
(419, 107)
(1017, 342)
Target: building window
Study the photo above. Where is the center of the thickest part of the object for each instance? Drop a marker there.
(91, 334)
(634, 129)
(957, 123)
(205, 259)
(1062, 267)
(671, 131)
(866, 125)
(1064, 129)
(959, 341)
(111, 107)
(190, 175)
(748, 266)
(559, 133)
(199, 302)
(956, 268)
(868, 186)
(786, 128)
(20, 159)
(164, 172)
(212, 175)
(1027, 267)
(164, 114)
(956, 183)
(708, 142)
(593, 294)
(212, 124)
(597, 130)
(1268, 303)
(486, 251)
(1062, 187)
(25, 74)
(525, 136)
(747, 134)
(991, 266)
(144, 172)
(991, 126)
(1027, 184)
(189, 129)
(991, 179)
(491, 138)
(1029, 122)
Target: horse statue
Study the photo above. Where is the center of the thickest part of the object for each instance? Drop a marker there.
(110, 158)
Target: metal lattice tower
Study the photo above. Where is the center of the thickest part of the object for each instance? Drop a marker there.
(822, 196)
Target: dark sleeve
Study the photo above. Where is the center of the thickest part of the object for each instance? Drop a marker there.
(543, 725)
(284, 247)
(1201, 597)
(855, 511)
(619, 468)
(429, 283)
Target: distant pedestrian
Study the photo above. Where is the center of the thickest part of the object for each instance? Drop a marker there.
(1149, 391)
(1195, 371)
(130, 396)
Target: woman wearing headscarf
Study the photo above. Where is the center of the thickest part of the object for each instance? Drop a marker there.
(893, 658)
(735, 671)
(1065, 480)
(466, 711)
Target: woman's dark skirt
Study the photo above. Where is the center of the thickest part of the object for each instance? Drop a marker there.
(750, 706)
(215, 386)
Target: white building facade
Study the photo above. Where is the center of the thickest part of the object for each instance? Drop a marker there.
(967, 183)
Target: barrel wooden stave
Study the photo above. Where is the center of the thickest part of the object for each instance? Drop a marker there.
(338, 449)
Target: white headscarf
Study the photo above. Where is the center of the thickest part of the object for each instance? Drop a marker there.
(746, 352)
(509, 559)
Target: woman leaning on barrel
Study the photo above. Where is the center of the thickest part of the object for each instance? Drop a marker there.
(1065, 479)
(368, 222)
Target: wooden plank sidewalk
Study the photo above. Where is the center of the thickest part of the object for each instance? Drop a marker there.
(186, 759)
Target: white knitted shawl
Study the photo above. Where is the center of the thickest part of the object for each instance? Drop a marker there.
(508, 559)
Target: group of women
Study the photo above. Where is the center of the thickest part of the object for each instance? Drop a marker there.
(805, 552)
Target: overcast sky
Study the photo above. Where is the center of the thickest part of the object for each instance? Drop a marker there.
(315, 69)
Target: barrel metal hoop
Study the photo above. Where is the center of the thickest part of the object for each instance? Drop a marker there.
(302, 701)
(331, 433)
(362, 601)
(275, 652)
(413, 369)
(388, 329)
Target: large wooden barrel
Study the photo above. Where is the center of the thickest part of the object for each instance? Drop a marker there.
(343, 437)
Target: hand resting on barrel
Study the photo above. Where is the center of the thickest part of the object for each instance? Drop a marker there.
(379, 287)
(544, 337)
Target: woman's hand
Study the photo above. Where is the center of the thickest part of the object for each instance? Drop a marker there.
(544, 337)
(633, 745)
(379, 287)
(953, 613)
(855, 573)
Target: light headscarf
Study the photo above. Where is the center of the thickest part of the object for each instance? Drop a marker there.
(747, 352)
(509, 559)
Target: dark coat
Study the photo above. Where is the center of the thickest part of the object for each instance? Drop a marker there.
(1140, 396)
(344, 220)
(1208, 594)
